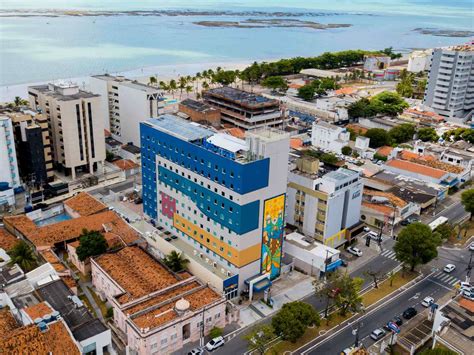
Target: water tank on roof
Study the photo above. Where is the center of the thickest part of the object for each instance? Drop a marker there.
(181, 306)
(38, 320)
(47, 318)
(4, 186)
(42, 326)
(55, 315)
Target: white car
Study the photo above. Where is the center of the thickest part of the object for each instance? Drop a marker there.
(471, 246)
(449, 268)
(367, 229)
(465, 286)
(427, 301)
(215, 343)
(196, 351)
(377, 334)
(468, 294)
(354, 251)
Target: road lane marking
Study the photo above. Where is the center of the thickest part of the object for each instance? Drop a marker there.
(440, 284)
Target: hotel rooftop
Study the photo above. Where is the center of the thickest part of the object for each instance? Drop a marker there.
(241, 97)
(150, 289)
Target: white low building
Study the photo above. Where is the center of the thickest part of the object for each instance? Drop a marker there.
(329, 137)
(311, 257)
(419, 61)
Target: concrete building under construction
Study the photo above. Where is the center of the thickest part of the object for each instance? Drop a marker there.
(244, 109)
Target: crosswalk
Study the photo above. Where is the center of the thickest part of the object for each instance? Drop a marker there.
(446, 278)
(389, 254)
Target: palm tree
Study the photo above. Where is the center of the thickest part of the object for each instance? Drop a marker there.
(182, 85)
(176, 261)
(164, 86)
(205, 85)
(152, 80)
(189, 89)
(198, 77)
(23, 255)
(18, 101)
(172, 86)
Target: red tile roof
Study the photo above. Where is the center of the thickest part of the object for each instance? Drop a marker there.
(7, 240)
(85, 204)
(416, 168)
(126, 164)
(296, 143)
(384, 151)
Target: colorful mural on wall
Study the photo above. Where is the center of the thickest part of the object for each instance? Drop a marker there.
(168, 205)
(272, 239)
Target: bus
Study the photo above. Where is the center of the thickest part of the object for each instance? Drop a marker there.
(437, 222)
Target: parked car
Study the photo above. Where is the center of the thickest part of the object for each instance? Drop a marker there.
(465, 286)
(354, 251)
(196, 351)
(397, 320)
(377, 334)
(471, 246)
(344, 262)
(409, 313)
(215, 343)
(469, 294)
(449, 268)
(405, 222)
(427, 301)
(366, 229)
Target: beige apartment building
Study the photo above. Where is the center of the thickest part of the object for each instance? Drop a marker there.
(75, 126)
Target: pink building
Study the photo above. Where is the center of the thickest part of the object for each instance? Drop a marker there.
(156, 309)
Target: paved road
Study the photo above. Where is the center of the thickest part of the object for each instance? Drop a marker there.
(436, 285)
(382, 263)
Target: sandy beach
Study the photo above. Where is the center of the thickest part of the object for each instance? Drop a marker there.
(162, 72)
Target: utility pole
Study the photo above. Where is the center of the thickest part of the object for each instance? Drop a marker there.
(356, 333)
(201, 338)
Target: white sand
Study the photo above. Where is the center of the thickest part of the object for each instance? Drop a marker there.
(163, 72)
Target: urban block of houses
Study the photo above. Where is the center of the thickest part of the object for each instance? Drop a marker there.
(157, 309)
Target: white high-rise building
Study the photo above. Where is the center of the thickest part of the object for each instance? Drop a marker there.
(74, 124)
(450, 89)
(323, 205)
(126, 103)
(9, 176)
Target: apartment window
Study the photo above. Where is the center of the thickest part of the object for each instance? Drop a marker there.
(91, 128)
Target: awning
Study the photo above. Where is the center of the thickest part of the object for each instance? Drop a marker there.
(334, 265)
(262, 285)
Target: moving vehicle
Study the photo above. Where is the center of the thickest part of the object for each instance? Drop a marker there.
(196, 351)
(409, 313)
(427, 301)
(449, 268)
(437, 222)
(377, 334)
(215, 343)
(354, 251)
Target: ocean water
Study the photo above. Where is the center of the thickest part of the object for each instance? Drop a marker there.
(35, 49)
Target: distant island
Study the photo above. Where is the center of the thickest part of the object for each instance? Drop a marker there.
(268, 23)
(444, 33)
(79, 13)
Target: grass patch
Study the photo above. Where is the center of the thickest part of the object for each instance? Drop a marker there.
(311, 333)
(400, 278)
(99, 302)
(84, 299)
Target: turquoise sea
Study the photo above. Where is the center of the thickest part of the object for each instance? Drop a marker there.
(37, 49)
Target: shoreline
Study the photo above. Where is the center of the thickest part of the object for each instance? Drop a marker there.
(164, 72)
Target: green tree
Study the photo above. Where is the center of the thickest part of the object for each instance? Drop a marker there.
(91, 243)
(275, 83)
(176, 261)
(360, 108)
(215, 332)
(445, 230)
(152, 80)
(225, 77)
(347, 297)
(306, 92)
(23, 255)
(427, 134)
(389, 51)
(388, 103)
(377, 156)
(293, 319)
(457, 134)
(346, 150)
(327, 291)
(172, 86)
(402, 133)
(378, 137)
(416, 245)
(259, 337)
(467, 199)
(328, 158)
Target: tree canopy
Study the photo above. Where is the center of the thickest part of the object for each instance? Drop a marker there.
(176, 261)
(467, 199)
(293, 319)
(224, 77)
(416, 245)
(378, 137)
(457, 134)
(402, 133)
(347, 296)
(276, 83)
(386, 103)
(23, 255)
(91, 243)
(427, 134)
(346, 150)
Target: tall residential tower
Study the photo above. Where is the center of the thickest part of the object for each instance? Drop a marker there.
(450, 89)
